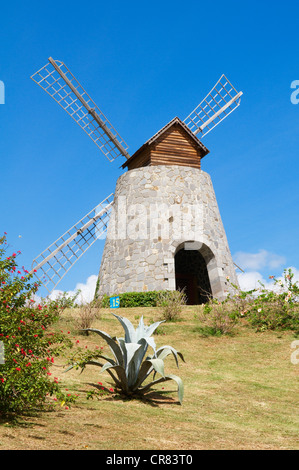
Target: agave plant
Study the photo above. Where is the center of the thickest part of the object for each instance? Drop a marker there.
(130, 367)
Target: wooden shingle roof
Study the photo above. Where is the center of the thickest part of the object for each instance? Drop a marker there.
(160, 134)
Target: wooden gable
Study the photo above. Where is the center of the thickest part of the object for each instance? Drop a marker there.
(175, 144)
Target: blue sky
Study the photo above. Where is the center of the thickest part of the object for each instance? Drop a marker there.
(144, 63)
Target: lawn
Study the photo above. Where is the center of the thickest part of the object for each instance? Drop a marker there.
(241, 392)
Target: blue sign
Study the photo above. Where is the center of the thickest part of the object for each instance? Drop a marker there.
(114, 302)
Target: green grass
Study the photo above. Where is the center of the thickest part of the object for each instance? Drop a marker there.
(241, 392)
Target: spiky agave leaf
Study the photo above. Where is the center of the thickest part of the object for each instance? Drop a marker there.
(142, 331)
(130, 333)
(133, 355)
(149, 330)
(161, 353)
(143, 373)
(158, 366)
(141, 328)
(111, 342)
(164, 351)
(122, 381)
(146, 332)
(148, 366)
(177, 379)
(129, 353)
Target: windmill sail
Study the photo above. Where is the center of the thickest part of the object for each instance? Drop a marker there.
(57, 80)
(222, 100)
(52, 264)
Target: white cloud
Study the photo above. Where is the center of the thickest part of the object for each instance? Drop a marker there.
(86, 294)
(250, 280)
(256, 261)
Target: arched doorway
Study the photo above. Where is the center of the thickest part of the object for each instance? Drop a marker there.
(191, 274)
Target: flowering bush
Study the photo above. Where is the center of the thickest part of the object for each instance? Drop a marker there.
(264, 309)
(277, 309)
(29, 345)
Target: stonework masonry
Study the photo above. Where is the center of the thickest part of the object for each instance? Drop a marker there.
(159, 210)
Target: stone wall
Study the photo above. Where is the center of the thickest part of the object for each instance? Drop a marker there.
(157, 211)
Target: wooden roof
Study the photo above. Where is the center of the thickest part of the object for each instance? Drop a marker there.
(174, 124)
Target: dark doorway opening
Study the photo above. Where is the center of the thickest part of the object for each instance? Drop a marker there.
(191, 275)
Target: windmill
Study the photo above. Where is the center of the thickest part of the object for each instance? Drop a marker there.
(175, 151)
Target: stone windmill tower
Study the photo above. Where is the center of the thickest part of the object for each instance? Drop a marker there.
(165, 229)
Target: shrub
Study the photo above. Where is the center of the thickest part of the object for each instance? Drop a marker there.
(29, 345)
(171, 303)
(87, 313)
(130, 368)
(65, 300)
(277, 309)
(218, 318)
(133, 299)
